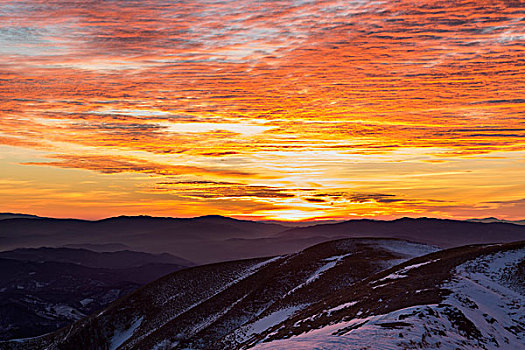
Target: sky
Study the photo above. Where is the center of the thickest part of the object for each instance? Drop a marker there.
(281, 109)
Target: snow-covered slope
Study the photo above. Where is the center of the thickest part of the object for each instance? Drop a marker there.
(221, 306)
(344, 294)
(450, 300)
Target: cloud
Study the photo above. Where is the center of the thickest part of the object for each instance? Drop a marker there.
(315, 200)
(114, 165)
(222, 190)
(219, 154)
(360, 197)
(197, 182)
(515, 202)
(117, 126)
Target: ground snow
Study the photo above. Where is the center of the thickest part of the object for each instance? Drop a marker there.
(332, 261)
(265, 323)
(408, 249)
(65, 311)
(120, 336)
(402, 273)
(273, 319)
(342, 306)
(165, 344)
(320, 271)
(338, 257)
(86, 301)
(257, 266)
(477, 293)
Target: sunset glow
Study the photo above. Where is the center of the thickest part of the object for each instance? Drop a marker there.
(288, 110)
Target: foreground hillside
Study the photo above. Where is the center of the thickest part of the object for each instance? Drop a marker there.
(222, 305)
(464, 298)
(344, 294)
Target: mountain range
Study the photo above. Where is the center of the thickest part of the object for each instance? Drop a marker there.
(214, 282)
(209, 239)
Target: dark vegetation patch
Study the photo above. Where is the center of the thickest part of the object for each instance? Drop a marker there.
(348, 329)
(514, 278)
(461, 322)
(394, 325)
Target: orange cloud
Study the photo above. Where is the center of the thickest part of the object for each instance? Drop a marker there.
(112, 165)
(351, 97)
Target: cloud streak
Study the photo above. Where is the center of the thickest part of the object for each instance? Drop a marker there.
(114, 165)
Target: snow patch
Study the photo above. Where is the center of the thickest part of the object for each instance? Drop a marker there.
(332, 261)
(65, 311)
(320, 271)
(409, 249)
(120, 337)
(86, 301)
(342, 306)
(267, 322)
(402, 273)
(337, 257)
(497, 310)
(165, 344)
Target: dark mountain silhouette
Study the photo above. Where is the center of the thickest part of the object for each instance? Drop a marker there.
(214, 238)
(493, 219)
(85, 257)
(5, 216)
(201, 239)
(105, 247)
(441, 232)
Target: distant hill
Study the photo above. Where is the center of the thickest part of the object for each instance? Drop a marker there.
(210, 239)
(441, 232)
(6, 216)
(109, 260)
(105, 247)
(203, 239)
(492, 220)
(44, 289)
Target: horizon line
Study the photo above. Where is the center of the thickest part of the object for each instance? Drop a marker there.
(262, 220)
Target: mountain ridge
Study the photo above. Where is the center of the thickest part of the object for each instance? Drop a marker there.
(208, 239)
